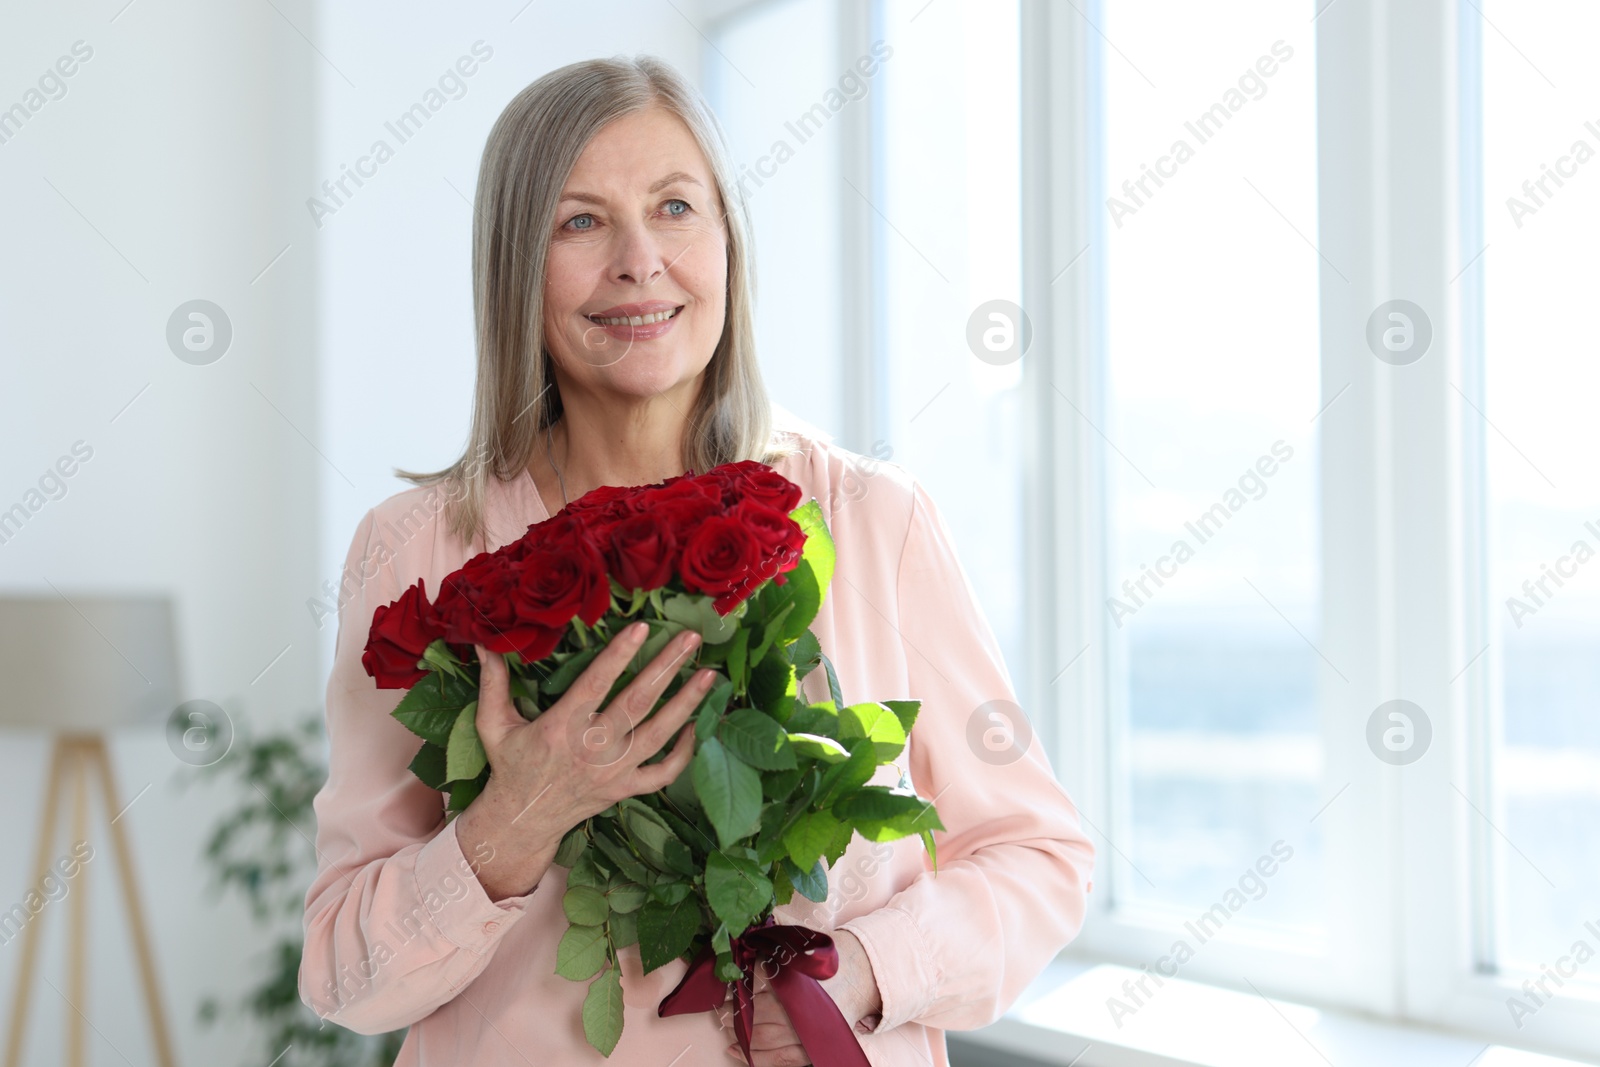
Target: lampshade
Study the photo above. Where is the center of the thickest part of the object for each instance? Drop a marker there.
(86, 663)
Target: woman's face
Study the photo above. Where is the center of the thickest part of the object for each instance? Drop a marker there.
(639, 235)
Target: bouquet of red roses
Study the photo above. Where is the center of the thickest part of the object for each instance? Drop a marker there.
(777, 788)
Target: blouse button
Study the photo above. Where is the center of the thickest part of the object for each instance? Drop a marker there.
(490, 927)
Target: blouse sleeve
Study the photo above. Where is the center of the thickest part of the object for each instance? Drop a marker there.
(954, 950)
(396, 922)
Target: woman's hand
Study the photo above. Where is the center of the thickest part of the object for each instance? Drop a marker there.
(574, 760)
(773, 1040)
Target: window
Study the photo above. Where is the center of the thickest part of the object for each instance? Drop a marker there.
(1541, 206)
(1212, 385)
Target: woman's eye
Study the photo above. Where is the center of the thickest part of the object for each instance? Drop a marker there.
(573, 222)
(677, 214)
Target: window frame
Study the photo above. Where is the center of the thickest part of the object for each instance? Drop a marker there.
(1402, 523)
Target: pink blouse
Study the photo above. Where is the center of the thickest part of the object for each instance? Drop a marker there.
(398, 931)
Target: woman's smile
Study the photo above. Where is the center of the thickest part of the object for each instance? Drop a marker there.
(637, 322)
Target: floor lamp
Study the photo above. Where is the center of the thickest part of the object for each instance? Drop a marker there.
(77, 667)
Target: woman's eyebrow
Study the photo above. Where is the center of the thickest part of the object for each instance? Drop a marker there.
(674, 177)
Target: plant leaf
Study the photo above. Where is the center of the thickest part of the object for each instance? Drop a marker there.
(878, 722)
(819, 550)
(584, 905)
(905, 711)
(811, 882)
(581, 952)
(698, 612)
(430, 708)
(465, 756)
(833, 683)
(666, 930)
(571, 847)
(737, 890)
(711, 708)
(805, 653)
(809, 838)
(756, 738)
(819, 747)
(602, 1011)
(729, 791)
(562, 677)
(429, 765)
(625, 898)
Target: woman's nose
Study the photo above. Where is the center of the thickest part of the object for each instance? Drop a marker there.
(638, 256)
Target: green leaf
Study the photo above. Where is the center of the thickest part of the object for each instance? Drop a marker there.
(801, 590)
(619, 855)
(737, 890)
(757, 739)
(602, 1011)
(880, 814)
(820, 718)
(933, 849)
(818, 747)
(587, 872)
(466, 791)
(666, 930)
(779, 784)
(736, 659)
(623, 928)
(905, 711)
(809, 837)
(429, 765)
(572, 846)
(711, 708)
(670, 890)
(805, 653)
(584, 905)
(812, 882)
(647, 830)
(562, 677)
(843, 777)
(819, 550)
(430, 708)
(698, 612)
(625, 898)
(833, 683)
(729, 791)
(875, 721)
(581, 952)
(465, 756)
(773, 688)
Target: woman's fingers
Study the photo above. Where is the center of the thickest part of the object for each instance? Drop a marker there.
(588, 691)
(650, 735)
(660, 775)
(631, 705)
(497, 716)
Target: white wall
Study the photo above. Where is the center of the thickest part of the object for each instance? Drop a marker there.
(184, 151)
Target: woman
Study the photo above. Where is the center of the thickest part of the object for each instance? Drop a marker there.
(612, 285)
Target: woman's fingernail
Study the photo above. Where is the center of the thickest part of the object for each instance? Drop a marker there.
(691, 638)
(702, 680)
(637, 631)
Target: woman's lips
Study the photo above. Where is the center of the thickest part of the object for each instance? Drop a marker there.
(627, 331)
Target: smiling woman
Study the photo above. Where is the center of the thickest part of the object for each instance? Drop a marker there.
(612, 290)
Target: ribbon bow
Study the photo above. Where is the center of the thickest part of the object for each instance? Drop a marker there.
(792, 958)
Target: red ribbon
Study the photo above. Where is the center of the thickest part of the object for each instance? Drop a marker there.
(792, 958)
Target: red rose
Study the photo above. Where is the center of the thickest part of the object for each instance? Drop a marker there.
(719, 556)
(400, 633)
(641, 552)
(560, 581)
(752, 480)
(476, 606)
(778, 533)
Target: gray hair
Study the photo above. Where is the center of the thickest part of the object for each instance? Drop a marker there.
(527, 158)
